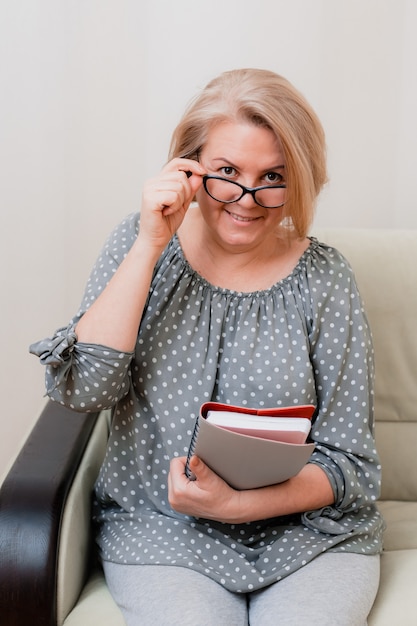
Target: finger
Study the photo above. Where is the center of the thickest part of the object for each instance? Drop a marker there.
(173, 203)
(170, 193)
(174, 189)
(193, 171)
(177, 464)
(186, 165)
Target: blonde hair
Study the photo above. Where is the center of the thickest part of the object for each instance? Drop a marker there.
(266, 99)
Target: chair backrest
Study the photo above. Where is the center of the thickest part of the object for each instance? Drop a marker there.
(385, 265)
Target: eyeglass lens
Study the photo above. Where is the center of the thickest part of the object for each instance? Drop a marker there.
(228, 191)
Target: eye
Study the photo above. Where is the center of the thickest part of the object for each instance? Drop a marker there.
(273, 178)
(228, 171)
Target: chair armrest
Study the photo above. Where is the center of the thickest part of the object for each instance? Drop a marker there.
(32, 502)
(76, 544)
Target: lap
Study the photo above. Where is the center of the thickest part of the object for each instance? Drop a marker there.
(160, 594)
(336, 589)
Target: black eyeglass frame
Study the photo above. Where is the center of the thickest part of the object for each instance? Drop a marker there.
(245, 190)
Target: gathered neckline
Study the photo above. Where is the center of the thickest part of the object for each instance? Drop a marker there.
(175, 242)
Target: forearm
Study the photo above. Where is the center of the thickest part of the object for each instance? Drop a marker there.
(307, 491)
(114, 317)
(210, 497)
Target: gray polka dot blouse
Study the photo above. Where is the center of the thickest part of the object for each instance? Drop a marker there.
(305, 340)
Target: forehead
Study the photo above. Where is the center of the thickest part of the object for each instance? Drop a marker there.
(243, 142)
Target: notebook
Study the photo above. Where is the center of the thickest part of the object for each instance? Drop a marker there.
(264, 447)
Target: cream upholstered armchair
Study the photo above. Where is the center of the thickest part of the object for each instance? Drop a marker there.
(48, 571)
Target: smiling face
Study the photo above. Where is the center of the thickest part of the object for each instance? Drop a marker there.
(250, 155)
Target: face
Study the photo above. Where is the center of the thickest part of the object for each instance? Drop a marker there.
(250, 155)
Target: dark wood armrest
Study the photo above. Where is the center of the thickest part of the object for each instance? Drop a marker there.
(32, 500)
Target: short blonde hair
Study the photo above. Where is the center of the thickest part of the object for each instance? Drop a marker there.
(263, 98)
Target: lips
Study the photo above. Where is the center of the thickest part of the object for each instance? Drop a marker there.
(240, 218)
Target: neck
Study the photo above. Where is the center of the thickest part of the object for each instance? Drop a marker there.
(236, 268)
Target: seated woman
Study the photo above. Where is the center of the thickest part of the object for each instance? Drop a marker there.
(215, 292)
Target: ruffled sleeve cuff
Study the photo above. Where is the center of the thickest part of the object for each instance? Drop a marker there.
(57, 350)
(84, 377)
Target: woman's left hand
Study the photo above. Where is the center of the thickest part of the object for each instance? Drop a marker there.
(209, 496)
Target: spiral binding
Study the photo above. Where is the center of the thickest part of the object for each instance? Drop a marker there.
(190, 475)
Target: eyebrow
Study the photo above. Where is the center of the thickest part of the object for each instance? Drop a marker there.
(268, 169)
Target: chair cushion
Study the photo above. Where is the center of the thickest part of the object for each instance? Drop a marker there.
(95, 606)
(398, 566)
(397, 444)
(396, 601)
(401, 520)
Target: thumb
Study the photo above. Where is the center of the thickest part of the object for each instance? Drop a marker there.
(197, 466)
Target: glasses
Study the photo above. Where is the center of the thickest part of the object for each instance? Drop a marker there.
(227, 191)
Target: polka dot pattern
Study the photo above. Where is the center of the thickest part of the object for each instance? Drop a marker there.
(305, 340)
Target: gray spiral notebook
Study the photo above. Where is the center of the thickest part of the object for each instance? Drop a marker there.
(248, 459)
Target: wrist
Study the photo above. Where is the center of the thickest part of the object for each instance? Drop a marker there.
(233, 512)
(147, 250)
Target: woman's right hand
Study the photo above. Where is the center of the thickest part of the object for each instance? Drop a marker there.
(114, 317)
(165, 201)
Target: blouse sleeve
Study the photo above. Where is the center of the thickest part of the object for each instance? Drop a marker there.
(89, 377)
(341, 352)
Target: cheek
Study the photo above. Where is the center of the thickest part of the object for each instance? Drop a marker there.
(205, 202)
(199, 196)
(277, 219)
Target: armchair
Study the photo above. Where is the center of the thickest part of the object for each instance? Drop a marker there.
(48, 571)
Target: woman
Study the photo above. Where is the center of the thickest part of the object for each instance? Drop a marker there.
(226, 299)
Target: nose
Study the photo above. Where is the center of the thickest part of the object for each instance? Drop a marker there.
(247, 201)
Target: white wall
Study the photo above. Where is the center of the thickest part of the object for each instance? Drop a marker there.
(90, 91)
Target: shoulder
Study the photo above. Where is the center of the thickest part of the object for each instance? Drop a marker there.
(328, 275)
(326, 259)
(122, 237)
(128, 227)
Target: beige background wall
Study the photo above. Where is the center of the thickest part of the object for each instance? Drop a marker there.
(90, 91)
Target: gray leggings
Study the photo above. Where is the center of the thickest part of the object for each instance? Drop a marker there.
(335, 589)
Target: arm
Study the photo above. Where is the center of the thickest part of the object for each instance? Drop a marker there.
(114, 317)
(210, 497)
(88, 361)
